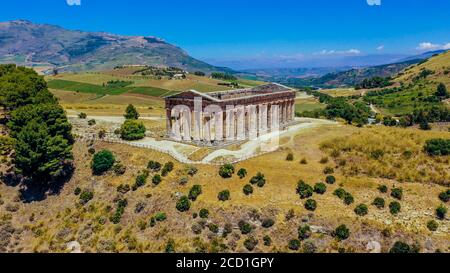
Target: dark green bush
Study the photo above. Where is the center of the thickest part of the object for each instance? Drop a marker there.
(131, 113)
(250, 243)
(328, 170)
(320, 188)
(82, 115)
(242, 173)
(258, 180)
(248, 189)
(304, 232)
(441, 211)
(156, 180)
(290, 157)
(119, 169)
(395, 208)
(77, 191)
(342, 233)
(141, 179)
(400, 248)
(267, 223)
(160, 217)
(226, 171)
(195, 192)
(170, 246)
(168, 168)
(213, 228)
(330, 180)
(224, 195)
(383, 188)
(183, 204)
(121, 205)
(348, 199)
(245, 227)
(154, 166)
(397, 193)
(379, 203)
(132, 130)
(309, 247)
(102, 162)
(304, 190)
(204, 213)
(267, 240)
(294, 245)
(86, 196)
(310, 205)
(432, 225)
(340, 193)
(437, 147)
(444, 196)
(362, 210)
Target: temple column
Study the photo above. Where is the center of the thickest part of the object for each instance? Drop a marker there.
(262, 119)
(168, 121)
(186, 119)
(240, 123)
(207, 128)
(197, 126)
(252, 122)
(293, 110)
(218, 126)
(269, 117)
(176, 128)
(230, 128)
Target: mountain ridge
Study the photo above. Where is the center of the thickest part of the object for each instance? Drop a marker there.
(26, 43)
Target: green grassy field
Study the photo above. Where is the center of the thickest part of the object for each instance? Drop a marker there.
(308, 104)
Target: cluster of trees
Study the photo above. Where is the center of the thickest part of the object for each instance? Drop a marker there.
(223, 76)
(375, 82)
(38, 124)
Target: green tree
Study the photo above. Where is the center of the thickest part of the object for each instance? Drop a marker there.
(183, 204)
(442, 91)
(41, 156)
(131, 112)
(132, 130)
(102, 162)
(242, 173)
(342, 233)
(226, 171)
(195, 192)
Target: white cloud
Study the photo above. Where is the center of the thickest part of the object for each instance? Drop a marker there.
(381, 47)
(73, 2)
(374, 2)
(431, 46)
(352, 51)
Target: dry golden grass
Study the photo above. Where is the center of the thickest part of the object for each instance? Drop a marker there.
(342, 92)
(59, 214)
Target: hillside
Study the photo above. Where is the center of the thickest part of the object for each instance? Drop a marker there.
(25, 43)
(350, 77)
(416, 87)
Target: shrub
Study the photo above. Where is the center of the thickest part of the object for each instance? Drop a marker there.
(444, 196)
(91, 151)
(168, 167)
(226, 171)
(310, 205)
(259, 180)
(102, 162)
(323, 160)
(141, 179)
(191, 170)
(242, 173)
(441, 211)
(432, 225)
(119, 169)
(131, 113)
(294, 245)
(304, 161)
(383, 188)
(304, 190)
(340, 193)
(195, 192)
(342, 233)
(132, 130)
(437, 147)
(395, 208)
(250, 243)
(328, 170)
(82, 115)
(86, 196)
(348, 199)
(379, 203)
(330, 180)
(309, 247)
(77, 191)
(156, 180)
(400, 248)
(213, 228)
(245, 227)
(160, 217)
(290, 157)
(170, 246)
(397, 193)
(227, 229)
(304, 232)
(224, 195)
(361, 210)
(267, 223)
(123, 189)
(183, 204)
(248, 189)
(267, 240)
(154, 166)
(92, 122)
(204, 213)
(121, 205)
(320, 188)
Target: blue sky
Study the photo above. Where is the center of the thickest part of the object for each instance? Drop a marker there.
(239, 29)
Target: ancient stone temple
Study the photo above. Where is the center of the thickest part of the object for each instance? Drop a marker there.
(227, 116)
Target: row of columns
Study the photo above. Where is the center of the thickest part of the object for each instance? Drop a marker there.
(233, 123)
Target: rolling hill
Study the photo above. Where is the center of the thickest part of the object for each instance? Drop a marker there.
(25, 43)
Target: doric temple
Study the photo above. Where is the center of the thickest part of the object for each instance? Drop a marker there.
(227, 116)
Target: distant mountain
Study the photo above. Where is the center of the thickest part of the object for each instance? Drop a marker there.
(25, 43)
(425, 55)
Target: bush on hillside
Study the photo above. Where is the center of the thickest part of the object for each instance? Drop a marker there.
(102, 162)
(132, 130)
